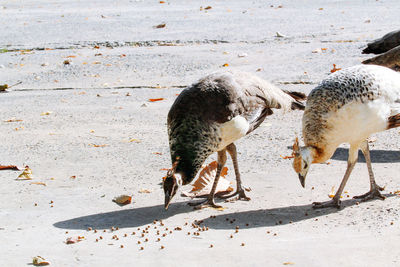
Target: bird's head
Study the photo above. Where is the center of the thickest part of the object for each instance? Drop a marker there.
(171, 184)
(303, 157)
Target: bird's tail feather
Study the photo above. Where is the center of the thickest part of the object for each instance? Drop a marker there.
(296, 95)
(394, 121)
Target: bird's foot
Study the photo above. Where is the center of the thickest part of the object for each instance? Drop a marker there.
(209, 202)
(240, 192)
(373, 193)
(327, 204)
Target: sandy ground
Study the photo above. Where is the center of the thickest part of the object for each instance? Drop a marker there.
(117, 62)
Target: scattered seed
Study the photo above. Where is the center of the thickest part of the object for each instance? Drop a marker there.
(268, 232)
(100, 237)
(141, 248)
(97, 240)
(186, 223)
(275, 234)
(162, 247)
(242, 244)
(51, 202)
(164, 235)
(138, 242)
(237, 227)
(95, 230)
(122, 246)
(158, 239)
(146, 240)
(142, 235)
(170, 232)
(211, 246)
(104, 231)
(154, 222)
(117, 228)
(391, 223)
(35, 204)
(51, 206)
(231, 236)
(125, 235)
(89, 229)
(66, 232)
(231, 221)
(237, 231)
(133, 233)
(188, 233)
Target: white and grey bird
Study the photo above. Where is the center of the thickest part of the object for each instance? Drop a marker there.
(348, 107)
(210, 115)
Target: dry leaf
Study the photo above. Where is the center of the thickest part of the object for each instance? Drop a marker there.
(162, 2)
(3, 87)
(157, 153)
(147, 191)
(39, 261)
(203, 184)
(288, 263)
(335, 69)
(73, 240)
(134, 140)
(9, 167)
(13, 120)
(45, 113)
(123, 200)
(38, 183)
(94, 145)
(287, 157)
(159, 26)
(207, 7)
(225, 65)
(26, 174)
(156, 99)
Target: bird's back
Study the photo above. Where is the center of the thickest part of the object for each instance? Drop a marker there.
(357, 99)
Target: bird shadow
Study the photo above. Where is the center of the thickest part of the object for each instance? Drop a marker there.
(377, 156)
(125, 218)
(274, 216)
(246, 219)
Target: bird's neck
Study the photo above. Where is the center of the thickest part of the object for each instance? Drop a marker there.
(321, 154)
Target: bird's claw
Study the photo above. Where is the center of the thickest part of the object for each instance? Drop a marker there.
(240, 192)
(333, 203)
(371, 194)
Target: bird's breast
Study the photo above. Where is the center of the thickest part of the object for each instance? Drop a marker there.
(232, 130)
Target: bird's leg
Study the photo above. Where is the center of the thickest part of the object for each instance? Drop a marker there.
(374, 190)
(239, 189)
(335, 201)
(209, 202)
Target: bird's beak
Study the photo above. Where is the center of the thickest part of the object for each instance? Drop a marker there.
(167, 200)
(302, 180)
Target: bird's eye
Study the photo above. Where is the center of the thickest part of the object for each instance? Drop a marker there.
(305, 165)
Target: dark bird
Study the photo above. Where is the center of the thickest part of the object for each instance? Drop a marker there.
(384, 44)
(347, 107)
(389, 48)
(209, 116)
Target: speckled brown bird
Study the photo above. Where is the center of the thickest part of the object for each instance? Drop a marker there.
(209, 116)
(348, 107)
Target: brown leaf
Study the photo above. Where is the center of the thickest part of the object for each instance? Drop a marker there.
(156, 99)
(225, 65)
(94, 145)
(123, 200)
(73, 240)
(147, 191)
(13, 120)
(335, 69)
(39, 261)
(26, 174)
(159, 26)
(9, 167)
(3, 87)
(38, 183)
(208, 7)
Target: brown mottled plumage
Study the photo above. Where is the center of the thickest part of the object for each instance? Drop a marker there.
(210, 115)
